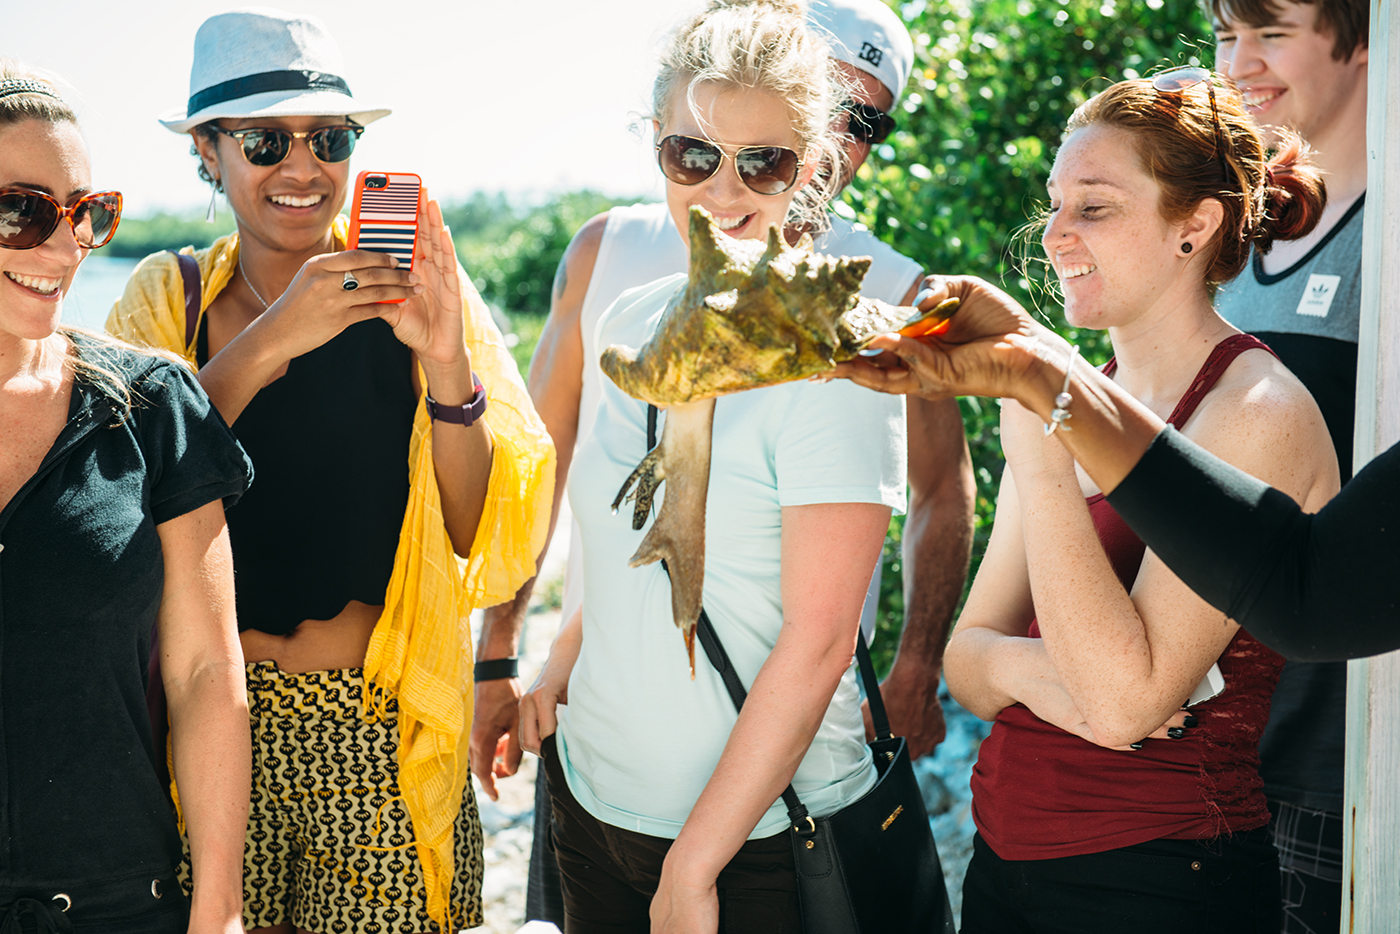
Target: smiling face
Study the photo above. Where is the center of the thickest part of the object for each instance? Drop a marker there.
(48, 157)
(1117, 258)
(288, 206)
(1287, 74)
(732, 118)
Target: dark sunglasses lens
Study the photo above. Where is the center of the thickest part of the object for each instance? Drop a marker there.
(26, 220)
(333, 144)
(768, 170)
(688, 161)
(94, 220)
(869, 124)
(266, 147)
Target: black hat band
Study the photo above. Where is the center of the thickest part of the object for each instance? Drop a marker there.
(262, 83)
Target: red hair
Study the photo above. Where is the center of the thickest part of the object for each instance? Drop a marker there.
(1264, 198)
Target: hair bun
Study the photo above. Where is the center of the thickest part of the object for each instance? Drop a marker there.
(1294, 195)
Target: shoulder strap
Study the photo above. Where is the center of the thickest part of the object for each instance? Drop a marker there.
(189, 272)
(714, 651)
(1221, 356)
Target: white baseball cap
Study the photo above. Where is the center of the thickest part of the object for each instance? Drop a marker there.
(260, 62)
(868, 35)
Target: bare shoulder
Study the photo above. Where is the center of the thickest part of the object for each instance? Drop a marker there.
(576, 268)
(1260, 418)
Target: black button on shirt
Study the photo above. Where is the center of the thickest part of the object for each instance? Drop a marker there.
(81, 576)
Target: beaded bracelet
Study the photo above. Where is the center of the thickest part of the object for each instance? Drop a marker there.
(1060, 413)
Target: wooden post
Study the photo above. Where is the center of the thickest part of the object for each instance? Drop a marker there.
(1371, 867)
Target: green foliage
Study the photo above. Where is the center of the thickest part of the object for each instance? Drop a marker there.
(138, 237)
(993, 85)
(512, 252)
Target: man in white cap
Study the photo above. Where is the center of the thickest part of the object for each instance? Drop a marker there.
(630, 246)
(389, 503)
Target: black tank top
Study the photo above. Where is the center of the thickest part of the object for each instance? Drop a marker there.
(329, 443)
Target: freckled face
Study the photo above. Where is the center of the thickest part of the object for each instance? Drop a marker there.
(732, 119)
(287, 206)
(1105, 237)
(48, 157)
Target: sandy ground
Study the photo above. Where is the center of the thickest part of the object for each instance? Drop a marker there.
(509, 822)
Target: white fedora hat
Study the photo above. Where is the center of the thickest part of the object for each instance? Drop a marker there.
(260, 62)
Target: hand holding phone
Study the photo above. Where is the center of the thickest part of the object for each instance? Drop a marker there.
(384, 215)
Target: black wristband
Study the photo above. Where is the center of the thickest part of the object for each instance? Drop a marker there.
(496, 669)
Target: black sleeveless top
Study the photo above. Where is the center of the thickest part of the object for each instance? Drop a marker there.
(329, 441)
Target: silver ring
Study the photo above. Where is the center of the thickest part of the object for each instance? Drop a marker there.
(67, 902)
(350, 283)
(155, 888)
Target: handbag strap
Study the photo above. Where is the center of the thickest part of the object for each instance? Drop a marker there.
(714, 651)
(189, 275)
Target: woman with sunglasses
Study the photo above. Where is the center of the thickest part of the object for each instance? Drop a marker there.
(114, 474)
(1100, 804)
(666, 806)
(393, 498)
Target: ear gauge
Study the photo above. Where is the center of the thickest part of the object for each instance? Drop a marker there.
(1185, 247)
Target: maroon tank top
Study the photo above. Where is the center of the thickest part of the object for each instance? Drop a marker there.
(1039, 792)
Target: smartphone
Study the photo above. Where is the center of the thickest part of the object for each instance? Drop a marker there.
(384, 215)
(1211, 685)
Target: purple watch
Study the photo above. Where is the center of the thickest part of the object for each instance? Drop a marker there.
(464, 415)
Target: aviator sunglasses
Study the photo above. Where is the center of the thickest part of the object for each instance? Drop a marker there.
(28, 218)
(1179, 81)
(768, 170)
(264, 147)
(868, 124)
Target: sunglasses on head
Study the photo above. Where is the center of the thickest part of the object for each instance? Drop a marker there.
(1179, 81)
(265, 147)
(28, 218)
(868, 124)
(768, 170)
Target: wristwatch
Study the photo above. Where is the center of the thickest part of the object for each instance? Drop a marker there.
(464, 415)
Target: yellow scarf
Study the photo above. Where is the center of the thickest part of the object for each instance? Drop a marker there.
(421, 648)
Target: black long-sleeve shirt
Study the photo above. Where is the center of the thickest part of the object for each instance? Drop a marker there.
(1318, 587)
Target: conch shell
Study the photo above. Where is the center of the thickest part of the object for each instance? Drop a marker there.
(752, 314)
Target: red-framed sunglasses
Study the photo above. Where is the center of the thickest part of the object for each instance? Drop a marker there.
(28, 218)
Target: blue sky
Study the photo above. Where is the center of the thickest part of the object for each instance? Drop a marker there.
(525, 96)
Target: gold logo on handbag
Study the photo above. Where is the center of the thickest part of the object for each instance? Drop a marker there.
(890, 820)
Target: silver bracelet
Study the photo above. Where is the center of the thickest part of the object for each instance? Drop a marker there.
(1060, 413)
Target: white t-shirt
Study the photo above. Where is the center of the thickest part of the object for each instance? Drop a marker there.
(639, 739)
(639, 245)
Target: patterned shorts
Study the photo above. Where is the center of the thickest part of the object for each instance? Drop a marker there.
(329, 843)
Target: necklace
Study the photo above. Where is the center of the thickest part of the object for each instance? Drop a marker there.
(248, 282)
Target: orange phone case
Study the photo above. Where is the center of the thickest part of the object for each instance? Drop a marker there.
(384, 214)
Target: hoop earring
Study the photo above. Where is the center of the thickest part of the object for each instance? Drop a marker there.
(1185, 247)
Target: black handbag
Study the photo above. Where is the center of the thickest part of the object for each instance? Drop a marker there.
(872, 867)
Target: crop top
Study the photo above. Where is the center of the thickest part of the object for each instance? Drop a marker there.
(327, 440)
(1040, 792)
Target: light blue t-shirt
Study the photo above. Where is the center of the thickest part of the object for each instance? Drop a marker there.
(639, 739)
